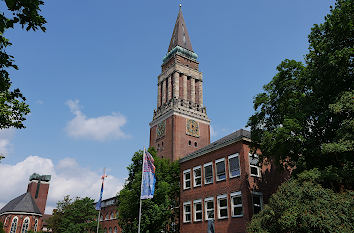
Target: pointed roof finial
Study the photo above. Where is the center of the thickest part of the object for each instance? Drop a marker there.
(180, 35)
(180, 5)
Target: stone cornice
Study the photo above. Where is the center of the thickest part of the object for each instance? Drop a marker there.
(181, 69)
(182, 108)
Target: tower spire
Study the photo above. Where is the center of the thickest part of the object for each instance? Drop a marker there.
(180, 36)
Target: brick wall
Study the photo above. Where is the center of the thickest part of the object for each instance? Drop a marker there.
(245, 183)
(176, 141)
(41, 199)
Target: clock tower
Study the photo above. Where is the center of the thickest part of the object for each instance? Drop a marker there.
(180, 124)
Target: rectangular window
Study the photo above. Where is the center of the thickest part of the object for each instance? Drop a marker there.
(236, 204)
(187, 179)
(198, 210)
(234, 165)
(257, 201)
(222, 207)
(208, 173)
(254, 165)
(187, 211)
(220, 169)
(197, 175)
(209, 208)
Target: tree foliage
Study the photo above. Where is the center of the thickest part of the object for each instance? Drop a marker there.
(74, 215)
(158, 214)
(303, 205)
(304, 117)
(13, 108)
(2, 228)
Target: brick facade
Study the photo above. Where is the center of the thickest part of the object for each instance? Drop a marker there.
(109, 216)
(41, 197)
(176, 143)
(245, 185)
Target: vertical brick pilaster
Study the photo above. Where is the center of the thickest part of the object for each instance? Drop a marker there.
(200, 93)
(158, 95)
(163, 83)
(192, 90)
(176, 84)
(169, 87)
(184, 86)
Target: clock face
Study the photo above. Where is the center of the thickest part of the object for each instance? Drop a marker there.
(160, 129)
(192, 128)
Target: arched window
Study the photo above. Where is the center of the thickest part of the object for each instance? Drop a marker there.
(110, 230)
(35, 225)
(25, 225)
(112, 215)
(105, 230)
(14, 225)
(115, 230)
(6, 219)
(107, 217)
(101, 217)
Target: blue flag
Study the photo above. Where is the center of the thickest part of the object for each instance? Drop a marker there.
(148, 177)
(98, 204)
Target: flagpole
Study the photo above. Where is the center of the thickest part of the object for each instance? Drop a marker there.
(99, 212)
(98, 221)
(141, 187)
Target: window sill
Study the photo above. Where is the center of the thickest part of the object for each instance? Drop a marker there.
(196, 186)
(220, 180)
(238, 216)
(187, 222)
(196, 221)
(221, 218)
(238, 176)
(186, 188)
(208, 183)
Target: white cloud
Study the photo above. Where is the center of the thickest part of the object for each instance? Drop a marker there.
(100, 129)
(5, 140)
(68, 178)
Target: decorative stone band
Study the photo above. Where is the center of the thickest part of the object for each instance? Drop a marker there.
(20, 213)
(180, 106)
(180, 51)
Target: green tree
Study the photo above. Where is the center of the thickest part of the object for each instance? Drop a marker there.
(74, 215)
(304, 117)
(303, 205)
(13, 108)
(158, 214)
(2, 228)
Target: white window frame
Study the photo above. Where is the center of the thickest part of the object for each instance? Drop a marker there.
(219, 208)
(261, 200)
(212, 173)
(184, 211)
(184, 179)
(16, 224)
(206, 208)
(35, 225)
(25, 225)
(195, 202)
(195, 177)
(258, 168)
(232, 195)
(216, 168)
(239, 166)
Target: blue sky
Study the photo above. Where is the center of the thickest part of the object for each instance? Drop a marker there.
(91, 78)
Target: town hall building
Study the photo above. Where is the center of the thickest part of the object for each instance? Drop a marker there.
(222, 181)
